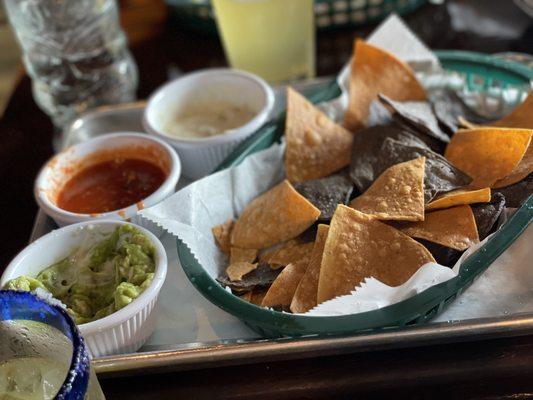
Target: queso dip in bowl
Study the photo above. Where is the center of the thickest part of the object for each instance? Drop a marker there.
(205, 115)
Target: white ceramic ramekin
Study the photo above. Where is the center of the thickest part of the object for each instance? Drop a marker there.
(64, 165)
(201, 156)
(124, 331)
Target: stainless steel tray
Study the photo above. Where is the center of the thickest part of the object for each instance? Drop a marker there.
(202, 354)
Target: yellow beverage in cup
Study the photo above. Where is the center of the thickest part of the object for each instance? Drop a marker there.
(272, 38)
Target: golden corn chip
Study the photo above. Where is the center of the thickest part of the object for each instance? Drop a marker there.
(358, 247)
(277, 215)
(305, 296)
(520, 117)
(453, 227)
(376, 71)
(523, 169)
(282, 289)
(397, 194)
(258, 294)
(288, 253)
(460, 197)
(316, 146)
(237, 270)
(488, 154)
(242, 255)
(222, 234)
(247, 296)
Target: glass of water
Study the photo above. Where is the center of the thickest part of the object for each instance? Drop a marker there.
(76, 54)
(42, 355)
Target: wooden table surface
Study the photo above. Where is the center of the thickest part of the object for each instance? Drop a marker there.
(490, 369)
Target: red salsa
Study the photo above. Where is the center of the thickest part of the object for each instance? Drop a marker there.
(110, 185)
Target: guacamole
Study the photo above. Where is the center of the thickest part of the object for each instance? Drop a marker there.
(97, 280)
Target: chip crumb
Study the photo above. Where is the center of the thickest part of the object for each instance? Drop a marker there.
(237, 270)
(222, 234)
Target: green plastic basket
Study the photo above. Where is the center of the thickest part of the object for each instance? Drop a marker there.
(415, 310)
(198, 14)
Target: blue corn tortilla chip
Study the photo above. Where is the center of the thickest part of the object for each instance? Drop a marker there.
(449, 106)
(378, 114)
(365, 153)
(418, 115)
(487, 214)
(442, 254)
(326, 193)
(517, 193)
(263, 275)
(440, 176)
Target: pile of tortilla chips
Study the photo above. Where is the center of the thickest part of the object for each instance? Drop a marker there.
(397, 186)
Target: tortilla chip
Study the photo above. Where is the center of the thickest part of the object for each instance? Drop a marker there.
(242, 255)
(222, 234)
(398, 193)
(290, 252)
(417, 114)
(378, 114)
(305, 296)
(375, 71)
(517, 194)
(442, 254)
(282, 289)
(450, 108)
(486, 215)
(326, 193)
(366, 163)
(263, 275)
(460, 197)
(440, 175)
(237, 270)
(488, 154)
(523, 169)
(276, 216)
(316, 146)
(258, 294)
(247, 296)
(520, 117)
(359, 247)
(453, 227)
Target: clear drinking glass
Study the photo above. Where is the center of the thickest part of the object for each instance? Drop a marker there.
(42, 355)
(271, 38)
(76, 54)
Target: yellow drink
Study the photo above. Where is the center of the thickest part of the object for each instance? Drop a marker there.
(272, 38)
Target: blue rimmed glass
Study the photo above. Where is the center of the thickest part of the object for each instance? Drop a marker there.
(26, 306)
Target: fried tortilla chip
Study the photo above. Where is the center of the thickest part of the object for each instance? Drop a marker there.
(276, 216)
(449, 108)
(282, 290)
(237, 270)
(359, 247)
(366, 163)
(488, 154)
(520, 117)
(326, 193)
(486, 215)
(289, 252)
(442, 254)
(417, 114)
(523, 169)
(261, 276)
(516, 195)
(305, 296)
(222, 234)
(453, 227)
(440, 175)
(247, 296)
(398, 193)
(242, 255)
(378, 114)
(460, 197)
(316, 146)
(375, 71)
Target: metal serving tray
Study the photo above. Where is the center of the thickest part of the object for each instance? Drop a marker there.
(232, 350)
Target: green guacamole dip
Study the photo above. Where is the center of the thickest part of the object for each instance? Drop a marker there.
(97, 280)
